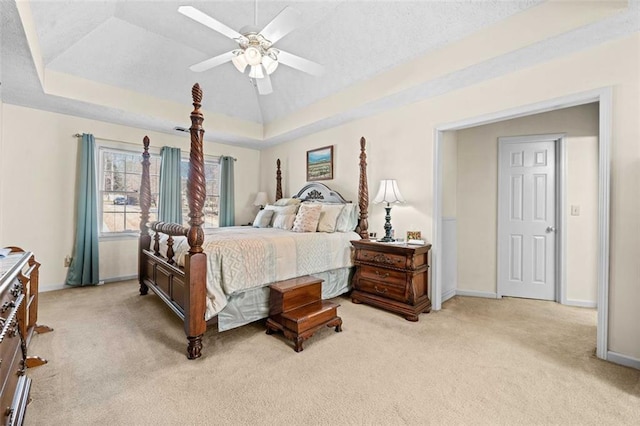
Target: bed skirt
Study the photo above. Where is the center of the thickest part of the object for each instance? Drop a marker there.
(253, 304)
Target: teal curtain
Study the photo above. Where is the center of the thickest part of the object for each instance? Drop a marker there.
(170, 203)
(84, 266)
(227, 213)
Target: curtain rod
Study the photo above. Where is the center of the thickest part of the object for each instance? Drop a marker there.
(139, 145)
(77, 135)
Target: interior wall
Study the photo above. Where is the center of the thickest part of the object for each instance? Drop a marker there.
(38, 180)
(449, 174)
(449, 275)
(478, 198)
(401, 147)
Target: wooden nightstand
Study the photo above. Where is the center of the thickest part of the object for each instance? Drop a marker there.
(393, 277)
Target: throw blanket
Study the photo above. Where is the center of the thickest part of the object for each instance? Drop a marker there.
(242, 257)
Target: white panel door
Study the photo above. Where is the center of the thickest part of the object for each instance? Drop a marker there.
(526, 218)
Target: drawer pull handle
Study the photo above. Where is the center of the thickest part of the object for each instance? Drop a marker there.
(385, 275)
(381, 258)
(383, 291)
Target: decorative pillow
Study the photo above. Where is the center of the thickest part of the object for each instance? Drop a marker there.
(263, 219)
(287, 202)
(348, 218)
(284, 221)
(278, 210)
(307, 218)
(329, 216)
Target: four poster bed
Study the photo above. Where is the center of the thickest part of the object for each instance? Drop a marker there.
(222, 275)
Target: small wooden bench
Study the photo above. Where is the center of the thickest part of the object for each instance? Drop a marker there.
(296, 308)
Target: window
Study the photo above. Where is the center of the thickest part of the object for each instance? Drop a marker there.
(211, 204)
(119, 183)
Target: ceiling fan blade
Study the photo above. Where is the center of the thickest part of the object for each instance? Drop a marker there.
(207, 20)
(285, 22)
(212, 62)
(299, 63)
(264, 84)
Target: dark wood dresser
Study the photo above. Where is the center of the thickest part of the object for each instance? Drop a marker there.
(393, 277)
(18, 314)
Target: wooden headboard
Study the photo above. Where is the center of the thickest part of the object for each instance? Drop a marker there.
(316, 191)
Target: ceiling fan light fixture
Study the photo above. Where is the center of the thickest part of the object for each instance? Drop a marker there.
(255, 47)
(240, 62)
(256, 72)
(253, 56)
(269, 64)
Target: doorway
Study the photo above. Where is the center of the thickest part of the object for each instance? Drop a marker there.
(604, 99)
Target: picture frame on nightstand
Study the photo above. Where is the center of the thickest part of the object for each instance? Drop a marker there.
(414, 235)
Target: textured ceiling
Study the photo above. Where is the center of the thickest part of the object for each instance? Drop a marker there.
(147, 47)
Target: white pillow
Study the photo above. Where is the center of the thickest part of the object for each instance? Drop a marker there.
(287, 202)
(348, 218)
(284, 221)
(329, 216)
(278, 210)
(263, 219)
(307, 218)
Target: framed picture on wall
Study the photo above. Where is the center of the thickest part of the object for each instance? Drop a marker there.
(320, 164)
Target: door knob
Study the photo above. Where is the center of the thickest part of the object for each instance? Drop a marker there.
(551, 229)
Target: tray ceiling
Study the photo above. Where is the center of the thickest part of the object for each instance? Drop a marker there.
(146, 47)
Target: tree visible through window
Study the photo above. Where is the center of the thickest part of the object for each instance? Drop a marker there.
(120, 175)
(119, 182)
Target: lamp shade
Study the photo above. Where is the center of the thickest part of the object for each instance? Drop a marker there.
(240, 62)
(388, 192)
(261, 199)
(256, 71)
(269, 64)
(253, 55)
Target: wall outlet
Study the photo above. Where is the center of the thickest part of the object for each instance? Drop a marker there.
(67, 261)
(575, 210)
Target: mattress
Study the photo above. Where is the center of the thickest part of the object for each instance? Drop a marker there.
(242, 258)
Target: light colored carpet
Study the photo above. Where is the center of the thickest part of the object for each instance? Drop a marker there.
(119, 358)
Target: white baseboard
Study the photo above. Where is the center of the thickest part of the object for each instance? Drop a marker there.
(53, 287)
(625, 360)
(476, 293)
(43, 288)
(580, 303)
(112, 280)
(448, 294)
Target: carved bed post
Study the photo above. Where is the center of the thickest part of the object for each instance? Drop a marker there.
(363, 194)
(278, 180)
(145, 205)
(196, 261)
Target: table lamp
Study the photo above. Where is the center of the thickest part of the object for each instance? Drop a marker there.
(261, 200)
(388, 193)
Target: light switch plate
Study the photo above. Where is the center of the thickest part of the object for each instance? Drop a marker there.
(575, 210)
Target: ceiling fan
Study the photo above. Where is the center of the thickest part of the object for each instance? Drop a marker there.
(256, 50)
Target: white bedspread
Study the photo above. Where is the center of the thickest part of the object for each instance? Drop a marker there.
(243, 257)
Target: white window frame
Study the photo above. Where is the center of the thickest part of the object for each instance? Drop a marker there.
(124, 149)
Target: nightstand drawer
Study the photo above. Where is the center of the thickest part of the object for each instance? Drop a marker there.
(382, 259)
(382, 289)
(387, 276)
